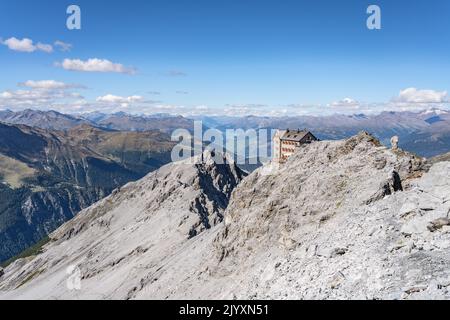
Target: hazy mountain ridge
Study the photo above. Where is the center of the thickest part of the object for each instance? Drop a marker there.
(426, 133)
(52, 120)
(126, 122)
(117, 121)
(342, 219)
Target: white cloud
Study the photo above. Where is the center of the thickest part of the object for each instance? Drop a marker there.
(6, 95)
(133, 104)
(26, 45)
(42, 94)
(48, 85)
(34, 98)
(122, 101)
(44, 47)
(346, 103)
(413, 95)
(62, 46)
(95, 65)
(60, 96)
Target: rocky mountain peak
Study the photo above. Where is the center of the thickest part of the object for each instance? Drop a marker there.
(335, 221)
(315, 184)
(341, 219)
(166, 210)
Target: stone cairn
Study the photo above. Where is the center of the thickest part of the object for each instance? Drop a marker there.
(394, 142)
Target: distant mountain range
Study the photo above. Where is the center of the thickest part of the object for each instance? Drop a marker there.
(48, 176)
(425, 133)
(42, 119)
(118, 121)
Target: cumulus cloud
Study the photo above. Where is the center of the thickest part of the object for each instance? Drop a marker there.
(95, 65)
(62, 46)
(413, 95)
(34, 98)
(131, 104)
(39, 94)
(63, 97)
(346, 103)
(6, 95)
(122, 101)
(26, 45)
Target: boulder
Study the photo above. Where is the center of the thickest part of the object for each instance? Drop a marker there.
(438, 224)
(394, 142)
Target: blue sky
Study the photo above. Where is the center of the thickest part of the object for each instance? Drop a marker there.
(229, 57)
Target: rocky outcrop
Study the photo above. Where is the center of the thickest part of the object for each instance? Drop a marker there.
(335, 223)
(441, 158)
(340, 220)
(68, 171)
(151, 220)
